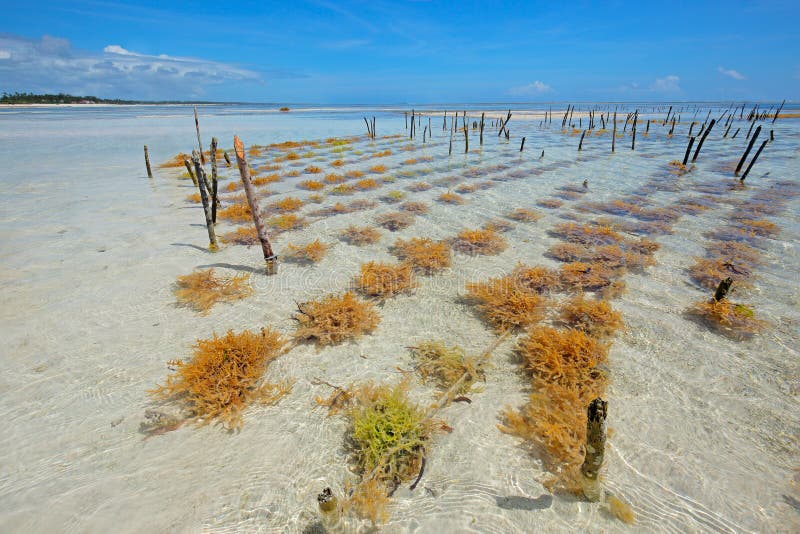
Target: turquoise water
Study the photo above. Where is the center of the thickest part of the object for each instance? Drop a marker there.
(705, 427)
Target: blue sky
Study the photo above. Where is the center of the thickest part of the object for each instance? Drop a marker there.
(376, 52)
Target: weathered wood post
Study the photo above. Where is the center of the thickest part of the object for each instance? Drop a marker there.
(466, 134)
(580, 144)
(614, 134)
(752, 161)
(778, 112)
(522, 145)
(270, 258)
(147, 162)
(199, 142)
(212, 236)
(227, 158)
(189, 170)
(214, 196)
(201, 176)
(688, 150)
(482, 117)
(747, 151)
(635, 120)
(595, 449)
(702, 139)
(722, 289)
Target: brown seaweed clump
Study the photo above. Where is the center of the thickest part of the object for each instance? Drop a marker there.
(417, 208)
(505, 304)
(536, 279)
(595, 317)
(224, 376)
(202, 289)
(498, 225)
(289, 221)
(587, 234)
(287, 205)
(309, 253)
(335, 318)
(360, 235)
(311, 185)
(395, 220)
(241, 236)
(524, 215)
(237, 213)
(550, 203)
(384, 280)
(708, 273)
(580, 276)
(424, 254)
(446, 365)
(451, 198)
(419, 186)
(482, 241)
(733, 320)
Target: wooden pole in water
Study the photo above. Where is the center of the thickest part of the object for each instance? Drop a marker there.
(199, 142)
(722, 289)
(466, 134)
(702, 139)
(688, 150)
(747, 151)
(522, 145)
(201, 176)
(214, 197)
(452, 126)
(778, 112)
(147, 162)
(270, 258)
(227, 158)
(580, 144)
(212, 236)
(752, 161)
(614, 134)
(595, 449)
(189, 170)
(635, 120)
(482, 117)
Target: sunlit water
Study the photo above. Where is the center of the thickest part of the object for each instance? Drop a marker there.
(705, 428)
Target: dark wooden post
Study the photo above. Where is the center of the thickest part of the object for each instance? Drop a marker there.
(244, 172)
(212, 236)
(702, 139)
(214, 196)
(722, 289)
(199, 142)
(580, 144)
(747, 151)
(752, 161)
(635, 120)
(614, 134)
(688, 150)
(522, 145)
(147, 162)
(778, 112)
(482, 117)
(189, 170)
(595, 449)
(227, 158)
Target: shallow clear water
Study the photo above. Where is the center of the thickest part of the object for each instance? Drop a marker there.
(705, 428)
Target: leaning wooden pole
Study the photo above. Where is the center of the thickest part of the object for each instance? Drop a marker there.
(270, 258)
(199, 142)
(746, 152)
(595, 449)
(702, 139)
(752, 161)
(214, 196)
(189, 170)
(614, 134)
(147, 162)
(212, 236)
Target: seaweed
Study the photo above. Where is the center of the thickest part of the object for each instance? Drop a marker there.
(418, 187)
(268, 179)
(316, 198)
(334, 178)
(451, 198)
(446, 366)
(362, 204)
(524, 215)
(309, 253)
(334, 318)
(549, 203)
(587, 234)
(505, 304)
(311, 185)
(224, 376)
(239, 212)
(233, 186)
(582, 276)
(366, 184)
(286, 222)
(286, 205)
(424, 254)
(731, 319)
(708, 273)
(384, 280)
(620, 509)
(377, 169)
(363, 235)
(737, 253)
(482, 241)
(466, 188)
(498, 225)
(194, 197)
(568, 252)
(395, 220)
(354, 174)
(343, 189)
(312, 169)
(337, 163)
(202, 289)
(393, 196)
(759, 227)
(595, 317)
(241, 236)
(417, 208)
(536, 279)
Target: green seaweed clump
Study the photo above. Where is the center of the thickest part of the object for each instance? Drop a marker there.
(446, 365)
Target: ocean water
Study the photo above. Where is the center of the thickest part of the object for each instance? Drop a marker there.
(705, 428)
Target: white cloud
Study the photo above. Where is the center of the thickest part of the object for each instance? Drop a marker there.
(535, 88)
(736, 75)
(51, 64)
(667, 84)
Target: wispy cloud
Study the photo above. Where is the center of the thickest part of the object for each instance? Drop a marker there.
(534, 88)
(736, 75)
(667, 84)
(346, 44)
(52, 64)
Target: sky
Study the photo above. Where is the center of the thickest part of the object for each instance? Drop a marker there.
(379, 52)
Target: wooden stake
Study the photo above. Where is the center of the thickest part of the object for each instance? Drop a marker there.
(702, 139)
(189, 170)
(688, 149)
(522, 145)
(482, 116)
(635, 120)
(214, 197)
(466, 134)
(614, 134)
(199, 142)
(747, 151)
(212, 236)
(595, 449)
(722, 289)
(735, 133)
(752, 161)
(227, 158)
(270, 258)
(580, 144)
(147, 162)
(778, 112)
